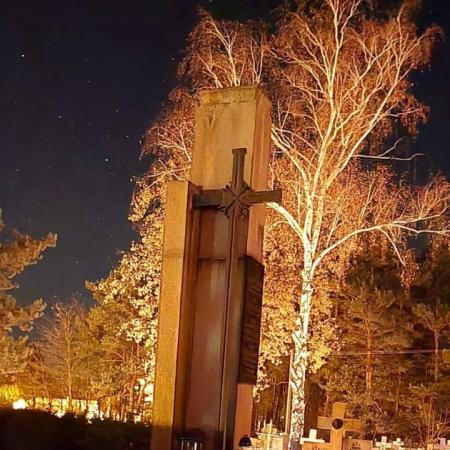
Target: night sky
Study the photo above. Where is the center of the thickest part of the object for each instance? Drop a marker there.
(80, 81)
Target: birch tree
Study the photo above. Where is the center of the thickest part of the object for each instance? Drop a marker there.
(60, 346)
(345, 78)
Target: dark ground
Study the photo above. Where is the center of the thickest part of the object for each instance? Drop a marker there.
(38, 430)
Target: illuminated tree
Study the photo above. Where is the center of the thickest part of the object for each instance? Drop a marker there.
(424, 411)
(60, 347)
(34, 381)
(127, 346)
(17, 251)
(345, 78)
(425, 414)
(433, 295)
(374, 324)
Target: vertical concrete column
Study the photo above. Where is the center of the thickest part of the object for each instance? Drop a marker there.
(176, 319)
(226, 119)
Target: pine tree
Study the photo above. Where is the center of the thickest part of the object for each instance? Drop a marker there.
(432, 296)
(424, 412)
(17, 251)
(375, 327)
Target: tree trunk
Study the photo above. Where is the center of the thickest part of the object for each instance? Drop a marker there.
(436, 355)
(369, 368)
(299, 365)
(397, 390)
(140, 400)
(132, 394)
(69, 397)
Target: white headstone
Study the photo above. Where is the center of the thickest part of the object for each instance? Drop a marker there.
(399, 443)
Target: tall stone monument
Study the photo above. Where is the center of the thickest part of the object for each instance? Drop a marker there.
(211, 285)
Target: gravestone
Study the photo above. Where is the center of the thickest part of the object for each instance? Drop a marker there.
(212, 276)
(398, 444)
(269, 438)
(383, 444)
(357, 444)
(312, 437)
(338, 425)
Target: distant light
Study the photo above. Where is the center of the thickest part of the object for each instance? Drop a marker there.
(20, 404)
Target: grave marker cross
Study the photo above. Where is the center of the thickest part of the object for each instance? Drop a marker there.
(383, 444)
(398, 443)
(338, 425)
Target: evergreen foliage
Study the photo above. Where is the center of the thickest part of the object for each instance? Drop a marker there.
(17, 252)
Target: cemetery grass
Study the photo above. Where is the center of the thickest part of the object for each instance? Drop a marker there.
(39, 430)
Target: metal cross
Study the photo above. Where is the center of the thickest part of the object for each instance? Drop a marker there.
(237, 193)
(234, 200)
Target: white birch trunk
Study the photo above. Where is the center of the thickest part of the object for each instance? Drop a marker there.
(299, 365)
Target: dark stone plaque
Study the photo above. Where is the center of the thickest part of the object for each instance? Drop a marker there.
(251, 321)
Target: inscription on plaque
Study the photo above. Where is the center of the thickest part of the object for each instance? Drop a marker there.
(251, 321)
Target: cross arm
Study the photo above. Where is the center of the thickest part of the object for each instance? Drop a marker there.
(216, 198)
(208, 199)
(253, 197)
(326, 423)
(352, 425)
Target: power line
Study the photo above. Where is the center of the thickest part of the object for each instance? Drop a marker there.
(392, 352)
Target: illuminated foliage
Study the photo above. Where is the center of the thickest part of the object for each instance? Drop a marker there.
(60, 350)
(125, 348)
(432, 291)
(17, 251)
(374, 325)
(389, 366)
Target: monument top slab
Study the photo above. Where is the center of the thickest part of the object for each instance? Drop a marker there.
(233, 95)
